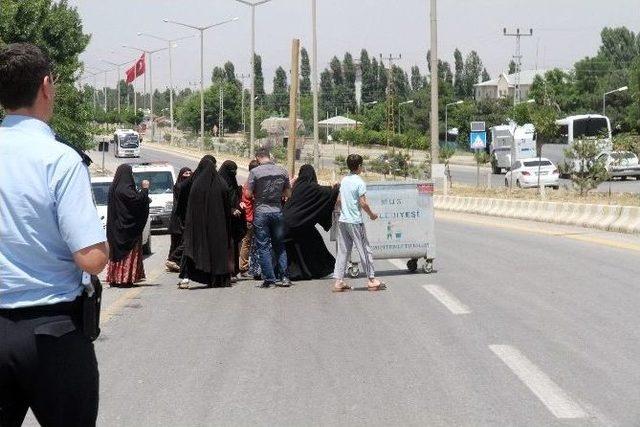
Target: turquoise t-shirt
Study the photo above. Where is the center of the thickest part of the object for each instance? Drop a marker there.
(352, 188)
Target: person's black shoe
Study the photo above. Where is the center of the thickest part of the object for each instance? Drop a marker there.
(284, 283)
(265, 285)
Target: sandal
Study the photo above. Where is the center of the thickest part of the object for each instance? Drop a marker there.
(377, 287)
(342, 288)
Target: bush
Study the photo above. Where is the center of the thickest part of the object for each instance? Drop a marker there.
(588, 171)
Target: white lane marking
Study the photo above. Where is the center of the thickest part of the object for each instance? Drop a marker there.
(452, 303)
(402, 265)
(552, 396)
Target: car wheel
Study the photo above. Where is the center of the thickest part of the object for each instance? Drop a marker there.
(146, 248)
(623, 178)
(412, 265)
(518, 183)
(555, 187)
(506, 183)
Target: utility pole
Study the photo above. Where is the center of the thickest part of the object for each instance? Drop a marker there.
(118, 79)
(435, 147)
(244, 130)
(293, 107)
(221, 115)
(518, 58)
(314, 53)
(391, 121)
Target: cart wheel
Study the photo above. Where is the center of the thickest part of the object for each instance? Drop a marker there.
(354, 271)
(428, 266)
(412, 265)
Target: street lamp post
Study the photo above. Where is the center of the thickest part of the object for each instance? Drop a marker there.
(316, 142)
(446, 119)
(604, 96)
(170, 45)
(149, 54)
(252, 5)
(399, 105)
(202, 30)
(118, 78)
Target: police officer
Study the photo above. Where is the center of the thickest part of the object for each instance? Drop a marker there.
(49, 234)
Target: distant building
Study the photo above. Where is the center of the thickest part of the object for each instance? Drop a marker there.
(504, 85)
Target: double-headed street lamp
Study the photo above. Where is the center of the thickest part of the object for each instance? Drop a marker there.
(171, 44)
(252, 5)
(446, 119)
(202, 30)
(149, 54)
(604, 96)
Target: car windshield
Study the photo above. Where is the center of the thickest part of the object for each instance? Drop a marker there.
(129, 141)
(101, 192)
(623, 156)
(537, 163)
(160, 182)
(590, 128)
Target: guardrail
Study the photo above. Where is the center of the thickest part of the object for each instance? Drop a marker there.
(624, 219)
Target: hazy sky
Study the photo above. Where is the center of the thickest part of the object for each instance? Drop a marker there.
(563, 31)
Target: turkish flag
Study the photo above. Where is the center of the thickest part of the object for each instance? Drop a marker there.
(140, 66)
(131, 74)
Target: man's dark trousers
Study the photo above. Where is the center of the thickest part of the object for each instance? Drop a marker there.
(48, 365)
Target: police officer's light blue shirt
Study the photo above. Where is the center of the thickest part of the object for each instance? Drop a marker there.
(46, 214)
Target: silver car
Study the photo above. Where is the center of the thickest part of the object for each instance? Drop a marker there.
(620, 164)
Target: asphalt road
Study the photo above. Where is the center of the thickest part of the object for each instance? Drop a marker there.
(521, 324)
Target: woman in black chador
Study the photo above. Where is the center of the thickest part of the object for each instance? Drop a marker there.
(309, 204)
(237, 223)
(206, 237)
(176, 223)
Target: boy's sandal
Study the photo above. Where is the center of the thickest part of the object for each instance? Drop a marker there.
(380, 286)
(342, 288)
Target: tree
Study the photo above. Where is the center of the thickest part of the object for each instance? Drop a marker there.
(369, 77)
(57, 29)
(280, 95)
(512, 67)
(458, 79)
(417, 81)
(230, 71)
(383, 82)
(472, 72)
(188, 111)
(258, 78)
(326, 92)
(400, 82)
(349, 72)
(619, 46)
(305, 72)
(485, 75)
(587, 171)
(218, 75)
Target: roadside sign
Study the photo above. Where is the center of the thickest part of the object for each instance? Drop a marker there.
(477, 140)
(477, 127)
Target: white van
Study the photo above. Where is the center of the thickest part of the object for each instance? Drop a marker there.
(100, 187)
(161, 177)
(126, 143)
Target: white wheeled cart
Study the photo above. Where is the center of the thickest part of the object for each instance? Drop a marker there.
(405, 227)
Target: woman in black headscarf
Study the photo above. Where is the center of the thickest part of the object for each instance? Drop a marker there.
(176, 223)
(238, 226)
(309, 204)
(127, 213)
(206, 236)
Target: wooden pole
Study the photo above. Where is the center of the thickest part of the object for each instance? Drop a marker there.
(293, 107)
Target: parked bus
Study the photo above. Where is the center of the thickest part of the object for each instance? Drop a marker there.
(127, 143)
(572, 128)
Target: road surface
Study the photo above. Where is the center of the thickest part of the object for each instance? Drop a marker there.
(521, 324)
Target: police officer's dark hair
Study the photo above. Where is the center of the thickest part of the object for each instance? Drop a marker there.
(253, 164)
(354, 161)
(22, 68)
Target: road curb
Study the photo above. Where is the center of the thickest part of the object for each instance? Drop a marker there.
(623, 219)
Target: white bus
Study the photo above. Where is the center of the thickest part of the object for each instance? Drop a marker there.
(572, 128)
(126, 143)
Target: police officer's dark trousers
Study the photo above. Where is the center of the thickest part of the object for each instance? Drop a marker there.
(48, 365)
